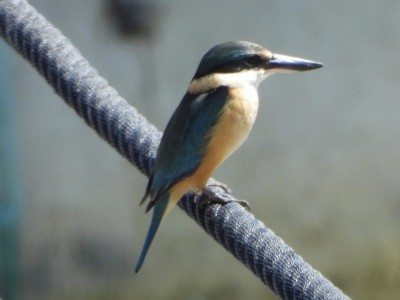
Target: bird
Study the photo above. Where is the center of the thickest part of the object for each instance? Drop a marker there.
(212, 120)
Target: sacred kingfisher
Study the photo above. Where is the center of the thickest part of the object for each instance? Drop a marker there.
(212, 120)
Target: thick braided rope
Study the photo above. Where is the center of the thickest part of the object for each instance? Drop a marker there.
(266, 255)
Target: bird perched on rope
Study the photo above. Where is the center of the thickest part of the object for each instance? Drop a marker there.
(212, 120)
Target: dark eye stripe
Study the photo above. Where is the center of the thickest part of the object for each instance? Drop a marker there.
(254, 61)
(240, 65)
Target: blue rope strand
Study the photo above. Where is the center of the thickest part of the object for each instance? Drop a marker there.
(265, 254)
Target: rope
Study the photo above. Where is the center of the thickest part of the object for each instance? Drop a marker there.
(71, 76)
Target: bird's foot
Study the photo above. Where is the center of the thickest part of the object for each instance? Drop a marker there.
(223, 186)
(214, 194)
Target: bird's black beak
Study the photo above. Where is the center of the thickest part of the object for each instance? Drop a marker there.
(283, 63)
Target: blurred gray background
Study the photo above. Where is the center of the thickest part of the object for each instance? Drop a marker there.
(321, 167)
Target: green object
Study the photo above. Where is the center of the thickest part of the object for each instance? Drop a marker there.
(10, 186)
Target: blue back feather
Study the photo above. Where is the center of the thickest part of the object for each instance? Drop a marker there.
(185, 139)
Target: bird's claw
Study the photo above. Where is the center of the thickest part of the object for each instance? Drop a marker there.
(223, 186)
(212, 196)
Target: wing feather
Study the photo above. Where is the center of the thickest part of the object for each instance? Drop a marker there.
(185, 140)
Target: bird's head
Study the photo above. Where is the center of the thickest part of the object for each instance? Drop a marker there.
(242, 63)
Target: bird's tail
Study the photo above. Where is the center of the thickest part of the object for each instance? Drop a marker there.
(158, 213)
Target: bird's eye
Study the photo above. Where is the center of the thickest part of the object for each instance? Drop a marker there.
(254, 61)
(250, 62)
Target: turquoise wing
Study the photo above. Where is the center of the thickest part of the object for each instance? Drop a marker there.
(185, 139)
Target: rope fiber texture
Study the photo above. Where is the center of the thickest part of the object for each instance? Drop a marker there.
(120, 124)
